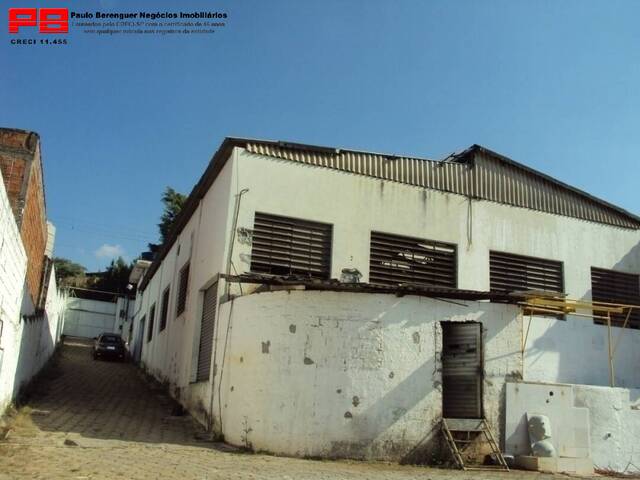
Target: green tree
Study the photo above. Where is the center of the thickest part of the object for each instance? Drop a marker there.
(173, 202)
(66, 268)
(115, 277)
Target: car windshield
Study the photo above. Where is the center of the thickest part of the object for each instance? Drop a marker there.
(109, 339)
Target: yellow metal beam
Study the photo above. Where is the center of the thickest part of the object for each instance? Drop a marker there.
(569, 305)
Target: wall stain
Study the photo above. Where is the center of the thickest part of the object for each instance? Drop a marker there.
(292, 328)
(265, 346)
(416, 338)
(398, 412)
(308, 361)
(355, 401)
(348, 415)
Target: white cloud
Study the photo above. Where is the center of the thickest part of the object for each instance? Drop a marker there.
(109, 251)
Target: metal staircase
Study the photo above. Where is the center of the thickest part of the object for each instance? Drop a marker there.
(462, 434)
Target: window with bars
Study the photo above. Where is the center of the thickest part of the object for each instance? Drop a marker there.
(207, 325)
(289, 246)
(164, 311)
(509, 272)
(610, 286)
(183, 288)
(396, 259)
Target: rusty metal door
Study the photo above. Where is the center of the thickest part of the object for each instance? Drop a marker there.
(462, 369)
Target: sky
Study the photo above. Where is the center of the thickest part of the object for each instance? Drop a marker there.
(553, 85)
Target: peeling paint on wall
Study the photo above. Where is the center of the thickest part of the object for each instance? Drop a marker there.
(360, 347)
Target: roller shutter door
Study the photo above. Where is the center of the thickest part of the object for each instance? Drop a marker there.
(206, 333)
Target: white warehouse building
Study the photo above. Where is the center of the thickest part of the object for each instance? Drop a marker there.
(319, 302)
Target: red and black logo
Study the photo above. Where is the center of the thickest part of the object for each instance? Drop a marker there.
(48, 20)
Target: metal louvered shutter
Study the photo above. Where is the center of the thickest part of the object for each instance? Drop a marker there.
(462, 370)
(395, 259)
(510, 272)
(164, 310)
(206, 333)
(289, 246)
(609, 286)
(183, 289)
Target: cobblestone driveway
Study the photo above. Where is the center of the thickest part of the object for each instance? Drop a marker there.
(95, 419)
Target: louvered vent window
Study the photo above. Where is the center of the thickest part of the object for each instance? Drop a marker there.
(183, 289)
(509, 273)
(205, 349)
(165, 309)
(610, 286)
(288, 246)
(395, 259)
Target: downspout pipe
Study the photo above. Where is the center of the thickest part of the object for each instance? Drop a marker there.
(227, 287)
(232, 238)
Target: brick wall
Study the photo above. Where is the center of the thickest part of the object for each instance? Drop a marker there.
(21, 169)
(17, 149)
(26, 340)
(34, 230)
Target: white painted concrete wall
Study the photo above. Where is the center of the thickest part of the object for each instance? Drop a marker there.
(171, 355)
(13, 268)
(125, 309)
(614, 416)
(25, 345)
(557, 351)
(586, 421)
(39, 337)
(576, 351)
(349, 375)
(568, 424)
(28, 343)
(89, 318)
(355, 205)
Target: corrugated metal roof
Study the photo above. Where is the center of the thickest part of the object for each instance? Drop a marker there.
(477, 172)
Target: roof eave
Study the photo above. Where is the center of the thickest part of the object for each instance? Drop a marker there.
(216, 164)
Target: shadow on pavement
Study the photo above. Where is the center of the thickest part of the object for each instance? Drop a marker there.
(103, 399)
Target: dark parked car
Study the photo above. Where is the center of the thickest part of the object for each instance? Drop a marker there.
(109, 345)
